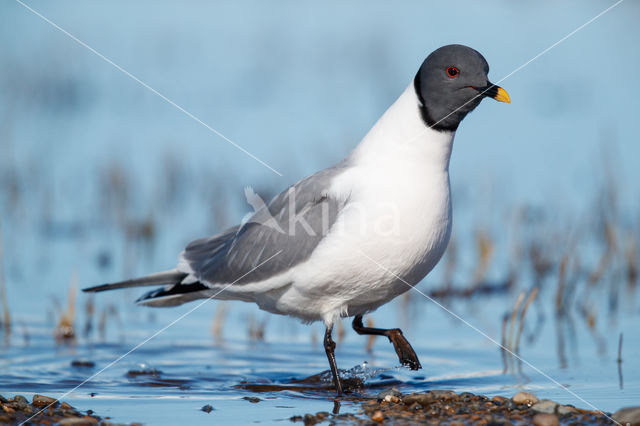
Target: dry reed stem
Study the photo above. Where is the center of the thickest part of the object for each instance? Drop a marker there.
(512, 319)
(90, 309)
(503, 343)
(102, 324)
(256, 328)
(610, 240)
(631, 259)
(65, 329)
(532, 295)
(371, 340)
(6, 315)
(451, 260)
(562, 283)
(341, 331)
(619, 360)
(219, 319)
(484, 246)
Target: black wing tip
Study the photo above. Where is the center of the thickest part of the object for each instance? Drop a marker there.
(96, 288)
(175, 290)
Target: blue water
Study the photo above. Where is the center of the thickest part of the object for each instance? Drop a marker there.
(101, 179)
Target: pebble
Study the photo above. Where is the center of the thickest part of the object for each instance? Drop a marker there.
(544, 419)
(444, 394)
(423, 399)
(499, 400)
(82, 363)
(143, 371)
(628, 415)
(322, 415)
(377, 416)
(566, 409)
(20, 402)
(310, 419)
(86, 420)
(382, 396)
(18, 410)
(41, 401)
(252, 399)
(207, 408)
(20, 399)
(545, 406)
(524, 398)
(510, 405)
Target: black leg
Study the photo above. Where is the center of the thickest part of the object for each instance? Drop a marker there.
(329, 347)
(406, 354)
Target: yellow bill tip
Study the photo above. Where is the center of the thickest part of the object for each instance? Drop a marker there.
(502, 96)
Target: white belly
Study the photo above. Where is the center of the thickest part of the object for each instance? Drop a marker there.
(392, 233)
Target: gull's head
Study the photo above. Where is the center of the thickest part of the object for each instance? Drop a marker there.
(451, 82)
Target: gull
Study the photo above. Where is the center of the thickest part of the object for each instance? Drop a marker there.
(314, 251)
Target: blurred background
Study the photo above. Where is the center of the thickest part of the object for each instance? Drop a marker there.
(101, 179)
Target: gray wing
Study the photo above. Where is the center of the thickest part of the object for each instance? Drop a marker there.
(285, 232)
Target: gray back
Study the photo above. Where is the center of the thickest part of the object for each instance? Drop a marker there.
(293, 223)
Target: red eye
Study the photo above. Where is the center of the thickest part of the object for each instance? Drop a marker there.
(453, 72)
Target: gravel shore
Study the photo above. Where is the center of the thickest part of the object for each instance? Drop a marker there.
(390, 407)
(44, 410)
(447, 407)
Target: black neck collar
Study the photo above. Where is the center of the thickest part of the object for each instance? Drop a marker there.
(428, 120)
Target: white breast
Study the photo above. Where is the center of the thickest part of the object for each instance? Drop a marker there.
(398, 216)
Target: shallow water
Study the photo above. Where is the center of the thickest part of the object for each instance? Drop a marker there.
(187, 368)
